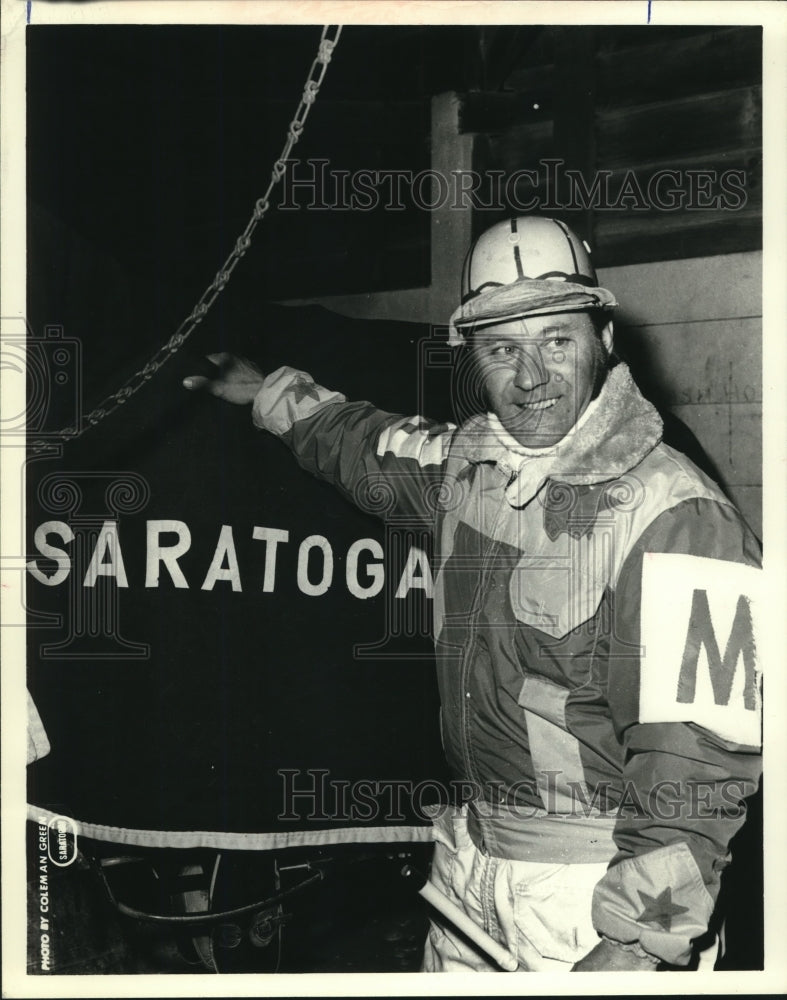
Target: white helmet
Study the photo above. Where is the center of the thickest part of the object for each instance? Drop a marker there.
(523, 267)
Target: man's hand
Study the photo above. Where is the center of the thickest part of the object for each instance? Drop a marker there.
(237, 380)
(608, 957)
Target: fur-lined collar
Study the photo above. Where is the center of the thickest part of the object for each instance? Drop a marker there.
(615, 433)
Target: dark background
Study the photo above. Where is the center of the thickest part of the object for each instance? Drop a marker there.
(146, 149)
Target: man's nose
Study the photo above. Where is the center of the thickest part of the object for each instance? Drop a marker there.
(531, 372)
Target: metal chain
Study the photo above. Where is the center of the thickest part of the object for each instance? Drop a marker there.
(328, 41)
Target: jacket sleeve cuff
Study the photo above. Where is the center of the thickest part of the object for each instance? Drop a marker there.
(286, 396)
(658, 900)
(635, 948)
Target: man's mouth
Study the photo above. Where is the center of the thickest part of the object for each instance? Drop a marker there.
(542, 404)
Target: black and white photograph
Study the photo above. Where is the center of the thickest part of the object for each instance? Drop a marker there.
(393, 471)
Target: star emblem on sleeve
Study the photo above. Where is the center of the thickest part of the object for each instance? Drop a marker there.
(659, 909)
(302, 387)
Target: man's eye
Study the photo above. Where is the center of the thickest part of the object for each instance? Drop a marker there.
(559, 341)
(499, 349)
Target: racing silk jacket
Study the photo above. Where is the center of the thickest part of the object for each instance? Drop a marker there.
(594, 609)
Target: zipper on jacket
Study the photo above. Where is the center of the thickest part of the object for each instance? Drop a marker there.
(471, 645)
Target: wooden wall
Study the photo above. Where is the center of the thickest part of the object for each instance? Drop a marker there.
(627, 101)
(692, 333)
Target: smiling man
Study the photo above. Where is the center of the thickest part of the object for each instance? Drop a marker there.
(539, 374)
(594, 615)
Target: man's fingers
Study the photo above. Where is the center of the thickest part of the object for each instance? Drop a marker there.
(219, 359)
(235, 380)
(197, 382)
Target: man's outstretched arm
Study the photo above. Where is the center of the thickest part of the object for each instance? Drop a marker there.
(382, 462)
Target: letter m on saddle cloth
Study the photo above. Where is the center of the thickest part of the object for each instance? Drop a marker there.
(700, 657)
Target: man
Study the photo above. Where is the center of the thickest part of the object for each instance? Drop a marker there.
(593, 619)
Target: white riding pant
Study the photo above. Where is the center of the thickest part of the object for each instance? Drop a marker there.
(540, 912)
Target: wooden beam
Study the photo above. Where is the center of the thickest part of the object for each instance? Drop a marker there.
(574, 111)
(523, 146)
(675, 129)
(716, 60)
(743, 170)
(675, 237)
(622, 38)
(496, 111)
